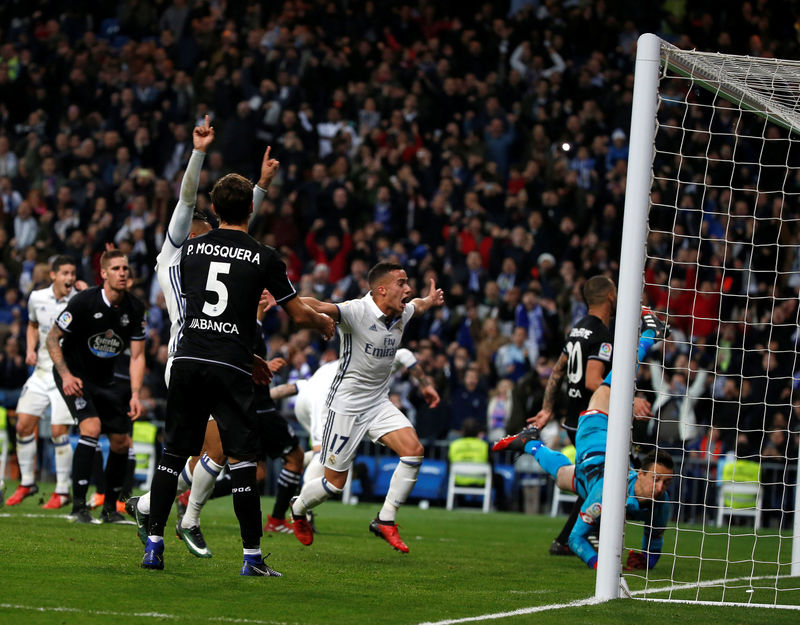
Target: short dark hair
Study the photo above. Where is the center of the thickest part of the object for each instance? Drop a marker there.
(232, 197)
(597, 289)
(658, 457)
(377, 273)
(110, 255)
(60, 260)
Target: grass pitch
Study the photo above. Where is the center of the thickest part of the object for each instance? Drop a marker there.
(462, 565)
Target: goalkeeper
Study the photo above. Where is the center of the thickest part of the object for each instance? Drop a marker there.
(647, 487)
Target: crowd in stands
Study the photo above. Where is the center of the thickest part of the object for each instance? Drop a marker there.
(483, 143)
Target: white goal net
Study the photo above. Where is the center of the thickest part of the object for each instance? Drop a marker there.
(714, 189)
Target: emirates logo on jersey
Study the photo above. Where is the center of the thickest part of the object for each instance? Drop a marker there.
(106, 344)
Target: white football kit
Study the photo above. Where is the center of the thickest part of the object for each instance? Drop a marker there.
(310, 408)
(40, 389)
(358, 402)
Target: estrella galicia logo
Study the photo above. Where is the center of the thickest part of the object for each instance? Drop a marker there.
(106, 344)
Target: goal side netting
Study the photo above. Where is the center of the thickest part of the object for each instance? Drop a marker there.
(711, 243)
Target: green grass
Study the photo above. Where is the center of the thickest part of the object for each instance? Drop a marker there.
(462, 564)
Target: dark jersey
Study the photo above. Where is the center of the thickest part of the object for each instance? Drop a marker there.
(96, 333)
(589, 339)
(222, 276)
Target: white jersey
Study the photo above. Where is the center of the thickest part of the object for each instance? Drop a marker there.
(368, 349)
(43, 309)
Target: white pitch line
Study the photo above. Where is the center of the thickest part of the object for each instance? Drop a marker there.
(704, 584)
(157, 615)
(521, 611)
(30, 515)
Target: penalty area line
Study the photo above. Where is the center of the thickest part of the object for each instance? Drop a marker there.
(153, 615)
(521, 611)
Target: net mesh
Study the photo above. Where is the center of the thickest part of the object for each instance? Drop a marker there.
(723, 269)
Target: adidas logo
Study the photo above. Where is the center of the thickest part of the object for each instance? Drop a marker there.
(373, 327)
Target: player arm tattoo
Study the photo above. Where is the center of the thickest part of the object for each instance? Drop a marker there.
(554, 383)
(422, 378)
(53, 342)
(136, 368)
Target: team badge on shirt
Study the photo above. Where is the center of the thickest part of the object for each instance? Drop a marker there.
(605, 351)
(124, 320)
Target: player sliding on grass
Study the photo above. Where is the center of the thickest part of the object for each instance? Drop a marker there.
(647, 487)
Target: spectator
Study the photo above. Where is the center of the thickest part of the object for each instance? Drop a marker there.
(467, 401)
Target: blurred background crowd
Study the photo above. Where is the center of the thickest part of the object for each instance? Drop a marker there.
(483, 143)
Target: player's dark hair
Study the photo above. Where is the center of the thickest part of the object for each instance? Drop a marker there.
(377, 273)
(232, 197)
(596, 290)
(658, 457)
(110, 255)
(60, 260)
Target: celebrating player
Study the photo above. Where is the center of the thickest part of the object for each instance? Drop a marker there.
(371, 330)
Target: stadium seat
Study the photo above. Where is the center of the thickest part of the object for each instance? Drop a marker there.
(4, 442)
(145, 435)
(431, 481)
(739, 491)
(353, 486)
(475, 478)
(562, 496)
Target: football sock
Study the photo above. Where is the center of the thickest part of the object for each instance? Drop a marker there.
(400, 486)
(314, 493)
(162, 492)
(63, 463)
(115, 475)
(645, 343)
(185, 478)
(308, 457)
(98, 471)
(130, 475)
(26, 457)
(288, 481)
(222, 488)
(551, 461)
(82, 462)
(563, 537)
(246, 502)
(314, 470)
(204, 478)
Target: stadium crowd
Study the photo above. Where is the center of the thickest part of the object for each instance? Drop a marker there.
(481, 143)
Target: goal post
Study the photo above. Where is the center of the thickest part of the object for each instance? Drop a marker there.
(713, 173)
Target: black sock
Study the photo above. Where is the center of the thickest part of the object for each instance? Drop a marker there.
(115, 474)
(98, 471)
(82, 461)
(222, 487)
(130, 473)
(563, 537)
(246, 503)
(162, 490)
(288, 481)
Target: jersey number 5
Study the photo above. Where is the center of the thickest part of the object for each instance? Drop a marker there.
(213, 284)
(574, 362)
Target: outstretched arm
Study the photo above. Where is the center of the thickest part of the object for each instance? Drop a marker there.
(435, 297)
(314, 318)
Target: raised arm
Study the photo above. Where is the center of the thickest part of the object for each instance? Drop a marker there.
(435, 297)
(269, 167)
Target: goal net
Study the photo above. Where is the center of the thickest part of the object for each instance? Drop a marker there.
(712, 245)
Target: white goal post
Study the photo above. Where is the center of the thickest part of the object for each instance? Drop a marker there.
(705, 132)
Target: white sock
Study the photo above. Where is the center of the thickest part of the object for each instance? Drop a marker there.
(205, 476)
(308, 457)
(26, 456)
(252, 553)
(155, 539)
(185, 478)
(314, 470)
(143, 505)
(314, 493)
(63, 463)
(400, 487)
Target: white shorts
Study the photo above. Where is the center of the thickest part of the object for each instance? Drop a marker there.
(39, 392)
(342, 433)
(310, 411)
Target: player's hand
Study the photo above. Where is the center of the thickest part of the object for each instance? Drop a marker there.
(136, 409)
(636, 561)
(266, 302)
(541, 418)
(642, 409)
(435, 296)
(431, 396)
(73, 387)
(269, 167)
(80, 285)
(327, 327)
(30, 358)
(276, 364)
(203, 135)
(261, 372)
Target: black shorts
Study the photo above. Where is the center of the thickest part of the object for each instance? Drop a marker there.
(197, 390)
(276, 436)
(109, 403)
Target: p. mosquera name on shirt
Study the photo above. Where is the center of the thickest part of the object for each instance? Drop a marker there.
(224, 251)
